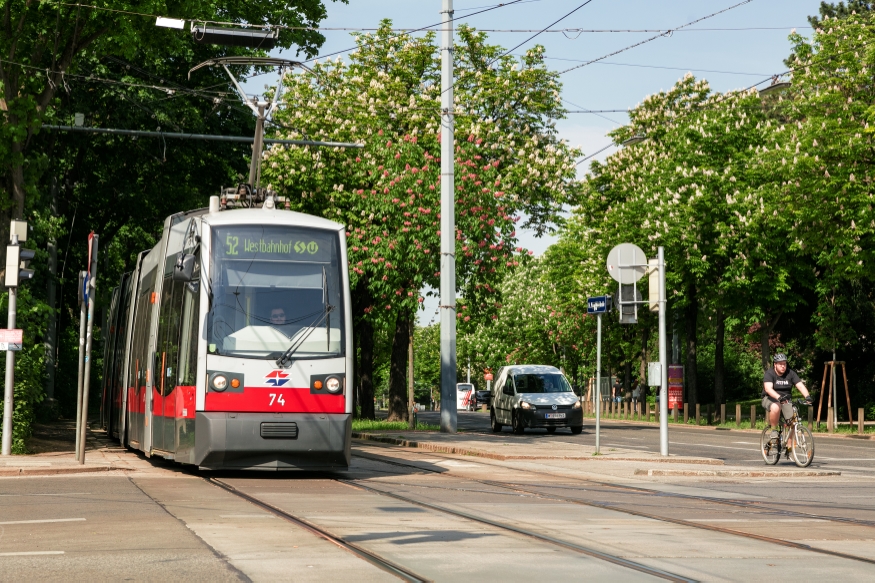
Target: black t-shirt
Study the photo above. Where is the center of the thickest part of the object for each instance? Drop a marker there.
(782, 384)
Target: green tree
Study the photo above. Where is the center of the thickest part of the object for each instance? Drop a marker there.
(509, 163)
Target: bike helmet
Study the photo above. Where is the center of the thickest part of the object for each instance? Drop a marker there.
(780, 357)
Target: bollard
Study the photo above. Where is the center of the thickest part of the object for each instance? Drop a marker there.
(625, 410)
(861, 420)
(708, 414)
(722, 413)
(810, 417)
(674, 412)
(829, 426)
(753, 416)
(698, 414)
(686, 413)
(738, 414)
(648, 412)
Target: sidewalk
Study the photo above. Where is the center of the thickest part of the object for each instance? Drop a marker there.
(102, 455)
(498, 447)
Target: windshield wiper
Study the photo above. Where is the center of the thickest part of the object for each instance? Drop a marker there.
(286, 358)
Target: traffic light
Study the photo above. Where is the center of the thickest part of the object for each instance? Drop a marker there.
(17, 260)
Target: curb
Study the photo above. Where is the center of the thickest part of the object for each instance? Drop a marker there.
(43, 471)
(740, 473)
(437, 448)
(738, 429)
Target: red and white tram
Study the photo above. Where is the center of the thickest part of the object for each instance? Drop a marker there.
(230, 345)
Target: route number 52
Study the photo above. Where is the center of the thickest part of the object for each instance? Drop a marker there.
(278, 398)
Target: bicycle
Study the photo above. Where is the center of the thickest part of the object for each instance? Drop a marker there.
(794, 439)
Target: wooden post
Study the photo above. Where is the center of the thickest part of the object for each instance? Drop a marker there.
(753, 416)
(708, 415)
(829, 427)
(698, 414)
(722, 413)
(738, 414)
(810, 417)
(822, 389)
(625, 410)
(674, 414)
(686, 413)
(861, 420)
(847, 394)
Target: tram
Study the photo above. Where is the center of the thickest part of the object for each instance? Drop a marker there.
(229, 343)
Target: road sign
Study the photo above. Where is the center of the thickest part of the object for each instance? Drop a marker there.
(598, 305)
(10, 339)
(487, 376)
(627, 263)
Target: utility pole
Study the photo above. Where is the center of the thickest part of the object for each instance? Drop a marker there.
(17, 259)
(598, 385)
(91, 288)
(411, 419)
(448, 229)
(663, 357)
(83, 315)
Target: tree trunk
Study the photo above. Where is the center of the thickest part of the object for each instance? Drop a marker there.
(366, 368)
(719, 390)
(51, 341)
(398, 370)
(692, 316)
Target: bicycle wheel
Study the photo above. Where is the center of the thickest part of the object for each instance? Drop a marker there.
(771, 452)
(803, 449)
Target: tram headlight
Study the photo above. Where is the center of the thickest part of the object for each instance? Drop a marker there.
(333, 384)
(220, 382)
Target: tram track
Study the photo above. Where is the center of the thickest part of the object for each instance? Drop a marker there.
(625, 510)
(378, 561)
(408, 575)
(760, 507)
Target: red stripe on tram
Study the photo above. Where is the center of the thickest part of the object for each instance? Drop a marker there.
(275, 400)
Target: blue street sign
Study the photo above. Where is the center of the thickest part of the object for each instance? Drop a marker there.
(598, 305)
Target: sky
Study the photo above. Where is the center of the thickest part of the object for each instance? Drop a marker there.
(733, 50)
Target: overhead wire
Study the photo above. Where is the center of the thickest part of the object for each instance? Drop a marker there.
(653, 38)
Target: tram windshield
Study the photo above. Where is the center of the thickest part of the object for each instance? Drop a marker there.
(273, 287)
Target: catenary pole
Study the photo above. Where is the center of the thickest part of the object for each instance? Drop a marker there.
(86, 378)
(663, 358)
(9, 386)
(83, 314)
(448, 229)
(598, 384)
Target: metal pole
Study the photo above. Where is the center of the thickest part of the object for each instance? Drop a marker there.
(835, 393)
(448, 229)
(663, 358)
(86, 382)
(598, 385)
(83, 313)
(411, 420)
(9, 387)
(257, 144)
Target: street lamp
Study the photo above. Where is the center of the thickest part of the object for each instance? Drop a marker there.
(636, 139)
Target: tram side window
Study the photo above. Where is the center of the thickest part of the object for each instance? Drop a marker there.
(168, 334)
(188, 334)
(141, 339)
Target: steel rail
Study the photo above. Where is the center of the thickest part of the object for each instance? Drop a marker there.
(750, 505)
(678, 521)
(373, 558)
(541, 537)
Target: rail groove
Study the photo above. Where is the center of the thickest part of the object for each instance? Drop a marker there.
(678, 521)
(541, 537)
(373, 558)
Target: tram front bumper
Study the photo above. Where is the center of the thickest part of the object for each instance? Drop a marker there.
(266, 441)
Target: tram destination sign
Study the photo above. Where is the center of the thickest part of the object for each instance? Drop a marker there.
(598, 305)
(10, 339)
(275, 243)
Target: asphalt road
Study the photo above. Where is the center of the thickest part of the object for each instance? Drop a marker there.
(733, 446)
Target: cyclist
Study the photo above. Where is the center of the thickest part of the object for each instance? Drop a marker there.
(778, 383)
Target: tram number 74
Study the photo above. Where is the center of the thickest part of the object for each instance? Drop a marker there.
(278, 398)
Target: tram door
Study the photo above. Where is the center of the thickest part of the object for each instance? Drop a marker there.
(166, 358)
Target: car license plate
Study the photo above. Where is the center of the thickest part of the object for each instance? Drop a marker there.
(554, 416)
